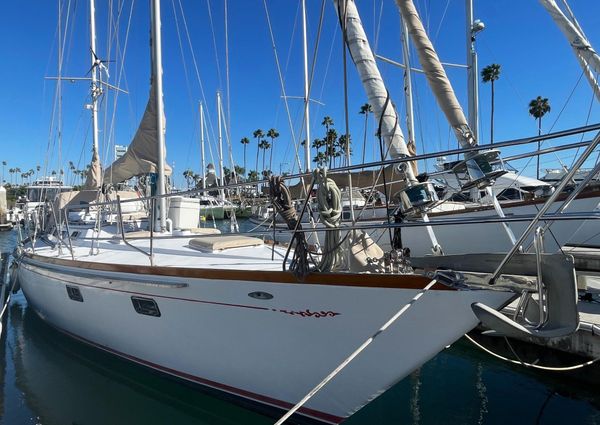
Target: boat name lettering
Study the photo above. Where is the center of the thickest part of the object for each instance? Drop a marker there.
(308, 313)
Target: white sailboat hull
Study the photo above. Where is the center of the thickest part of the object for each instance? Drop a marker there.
(270, 351)
(491, 237)
(481, 236)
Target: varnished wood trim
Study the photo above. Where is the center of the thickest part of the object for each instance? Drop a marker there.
(367, 280)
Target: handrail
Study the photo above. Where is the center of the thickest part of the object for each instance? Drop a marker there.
(593, 172)
(394, 161)
(381, 224)
(559, 188)
(120, 218)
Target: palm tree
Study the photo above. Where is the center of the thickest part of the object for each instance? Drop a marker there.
(365, 110)
(11, 171)
(244, 142)
(258, 135)
(37, 169)
(327, 122)
(72, 167)
(330, 138)
(343, 144)
(3, 165)
(264, 145)
(18, 172)
(489, 74)
(197, 178)
(253, 175)
(539, 107)
(188, 175)
(239, 171)
(331, 144)
(272, 134)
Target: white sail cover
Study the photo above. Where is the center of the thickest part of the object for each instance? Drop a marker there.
(436, 75)
(142, 155)
(94, 174)
(377, 94)
(586, 55)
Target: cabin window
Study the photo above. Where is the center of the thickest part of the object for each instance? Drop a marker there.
(74, 293)
(510, 193)
(75, 234)
(145, 306)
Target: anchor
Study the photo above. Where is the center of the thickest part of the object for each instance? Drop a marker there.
(553, 314)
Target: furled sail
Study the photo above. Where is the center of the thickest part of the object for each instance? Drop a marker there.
(378, 96)
(586, 55)
(142, 155)
(94, 174)
(436, 75)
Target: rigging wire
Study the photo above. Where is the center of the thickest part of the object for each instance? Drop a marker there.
(187, 83)
(197, 70)
(437, 32)
(587, 120)
(228, 126)
(312, 69)
(214, 40)
(120, 75)
(282, 84)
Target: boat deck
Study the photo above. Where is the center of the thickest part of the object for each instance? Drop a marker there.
(167, 252)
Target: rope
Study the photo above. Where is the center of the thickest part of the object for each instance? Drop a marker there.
(355, 353)
(329, 199)
(282, 201)
(534, 366)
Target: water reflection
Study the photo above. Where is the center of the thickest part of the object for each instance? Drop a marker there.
(65, 382)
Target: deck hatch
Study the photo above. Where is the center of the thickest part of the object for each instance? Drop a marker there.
(74, 293)
(145, 306)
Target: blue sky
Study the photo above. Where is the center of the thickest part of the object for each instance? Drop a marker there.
(519, 35)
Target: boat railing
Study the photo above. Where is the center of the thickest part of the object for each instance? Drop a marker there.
(150, 254)
(551, 199)
(396, 161)
(546, 216)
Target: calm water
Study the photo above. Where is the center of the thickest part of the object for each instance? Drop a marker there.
(49, 379)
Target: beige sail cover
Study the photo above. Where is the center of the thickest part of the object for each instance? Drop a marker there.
(436, 75)
(142, 155)
(377, 94)
(586, 55)
(94, 174)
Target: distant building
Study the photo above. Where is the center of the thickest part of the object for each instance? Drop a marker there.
(120, 151)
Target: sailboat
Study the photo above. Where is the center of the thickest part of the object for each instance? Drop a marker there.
(260, 323)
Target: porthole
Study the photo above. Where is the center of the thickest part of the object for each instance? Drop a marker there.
(74, 293)
(260, 295)
(145, 306)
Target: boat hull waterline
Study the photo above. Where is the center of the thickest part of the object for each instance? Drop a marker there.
(270, 351)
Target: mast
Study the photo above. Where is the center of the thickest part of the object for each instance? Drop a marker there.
(472, 70)
(410, 119)
(95, 89)
(202, 158)
(157, 80)
(306, 94)
(222, 177)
